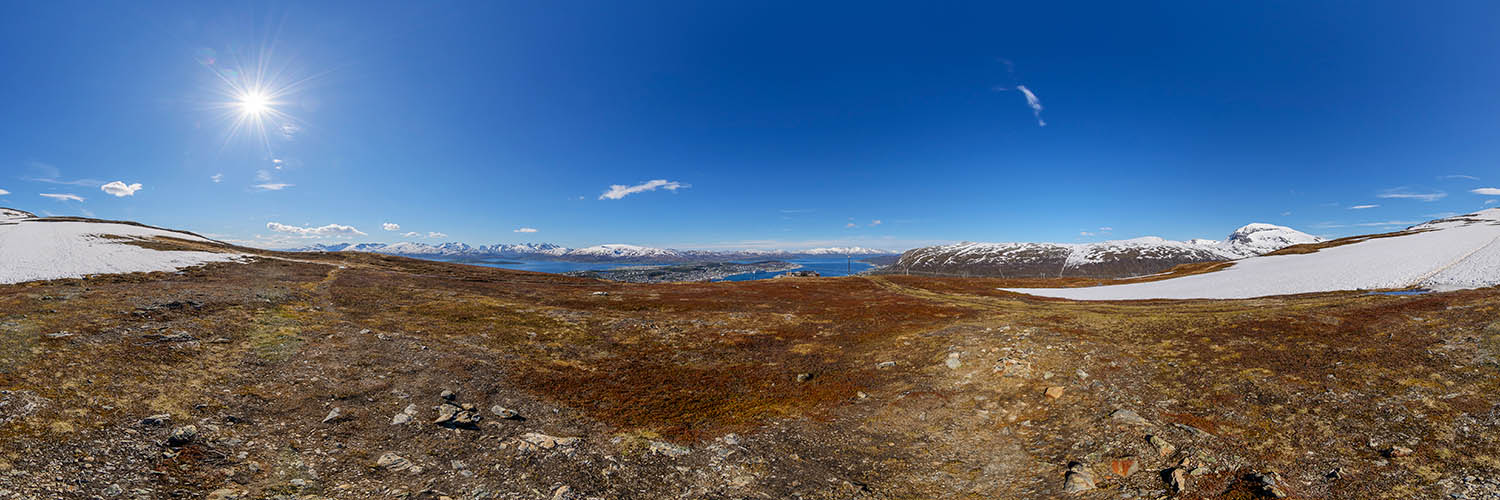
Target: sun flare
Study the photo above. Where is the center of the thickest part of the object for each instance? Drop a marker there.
(254, 103)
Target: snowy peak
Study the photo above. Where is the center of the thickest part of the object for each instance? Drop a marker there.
(1117, 258)
(11, 214)
(846, 251)
(1260, 238)
(622, 251)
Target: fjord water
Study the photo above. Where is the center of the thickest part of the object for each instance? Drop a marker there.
(829, 266)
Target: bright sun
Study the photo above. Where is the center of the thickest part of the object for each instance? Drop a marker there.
(254, 103)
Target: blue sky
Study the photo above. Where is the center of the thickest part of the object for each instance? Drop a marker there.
(766, 124)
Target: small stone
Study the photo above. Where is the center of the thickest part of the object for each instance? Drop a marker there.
(333, 414)
(1081, 374)
(113, 490)
(545, 442)
(405, 415)
(391, 461)
(803, 377)
(160, 419)
(953, 362)
(669, 449)
(1398, 452)
(446, 413)
(505, 413)
(448, 395)
(1177, 479)
(182, 435)
(1162, 446)
(1270, 484)
(885, 364)
(861, 394)
(1078, 479)
(1128, 417)
(1124, 467)
(1054, 392)
(226, 494)
(1013, 368)
(601, 294)
(562, 493)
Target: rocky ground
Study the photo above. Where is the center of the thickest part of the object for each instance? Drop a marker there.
(362, 376)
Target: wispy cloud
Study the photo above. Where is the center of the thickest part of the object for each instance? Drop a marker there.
(1487, 191)
(63, 196)
(42, 172)
(217, 178)
(796, 210)
(120, 189)
(4, 192)
(851, 225)
(1458, 176)
(1403, 193)
(315, 232)
(1035, 103)
(436, 234)
(413, 234)
(1085, 233)
(525, 230)
(1332, 225)
(391, 226)
(876, 222)
(275, 186)
(1362, 207)
(1106, 229)
(263, 175)
(618, 191)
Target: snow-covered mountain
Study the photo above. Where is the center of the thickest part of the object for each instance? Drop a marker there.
(1444, 254)
(44, 248)
(1107, 259)
(608, 252)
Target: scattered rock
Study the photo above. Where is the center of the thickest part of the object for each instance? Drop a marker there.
(1177, 478)
(1269, 484)
(563, 492)
(182, 435)
(405, 415)
(535, 440)
(1398, 451)
(1128, 417)
(391, 461)
(452, 415)
(669, 449)
(601, 294)
(953, 362)
(1013, 368)
(506, 413)
(1053, 392)
(448, 395)
(1078, 479)
(803, 377)
(1193, 430)
(1124, 467)
(226, 494)
(333, 415)
(159, 419)
(1162, 446)
(886, 364)
(113, 490)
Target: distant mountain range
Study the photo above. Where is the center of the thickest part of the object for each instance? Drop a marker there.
(597, 253)
(1108, 259)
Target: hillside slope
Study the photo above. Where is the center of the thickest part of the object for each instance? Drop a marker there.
(1445, 254)
(36, 248)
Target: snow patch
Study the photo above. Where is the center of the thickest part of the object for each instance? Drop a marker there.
(38, 249)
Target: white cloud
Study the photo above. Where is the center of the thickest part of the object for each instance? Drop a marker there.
(413, 234)
(617, 191)
(1106, 229)
(217, 178)
(391, 226)
(876, 222)
(263, 175)
(1362, 207)
(63, 197)
(272, 186)
(1487, 202)
(1035, 103)
(525, 230)
(4, 192)
(436, 234)
(851, 224)
(1407, 194)
(120, 189)
(315, 232)
(1286, 214)
(1487, 191)
(1085, 233)
(1460, 176)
